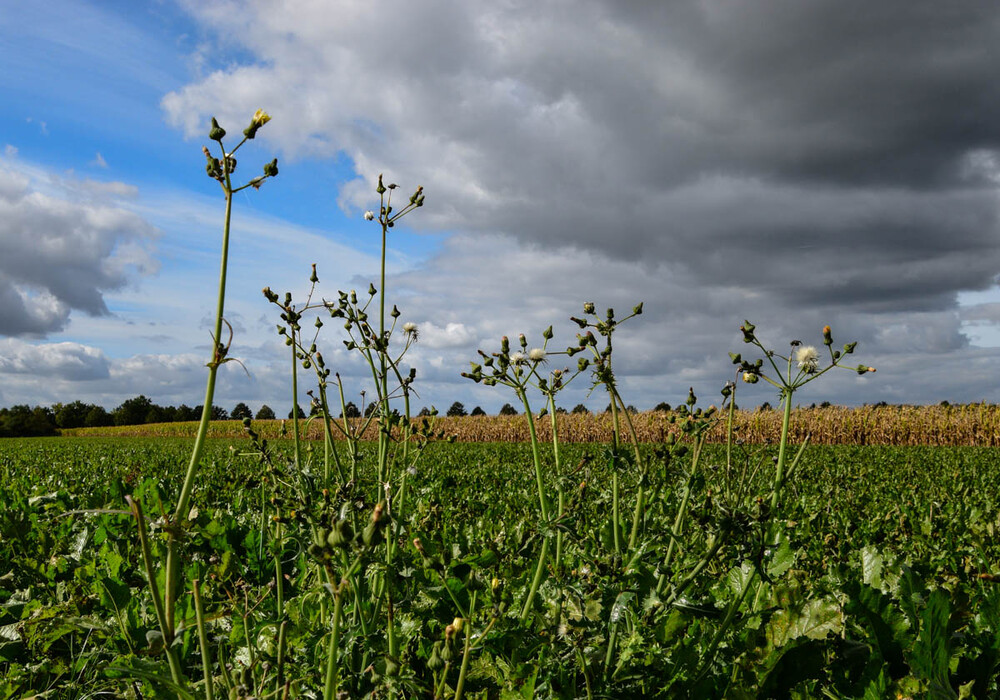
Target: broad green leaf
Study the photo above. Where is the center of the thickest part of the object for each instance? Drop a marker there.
(815, 620)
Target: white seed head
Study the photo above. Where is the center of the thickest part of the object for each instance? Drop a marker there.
(518, 358)
(369, 215)
(807, 359)
(410, 328)
(536, 355)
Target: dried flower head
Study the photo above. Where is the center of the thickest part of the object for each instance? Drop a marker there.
(369, 215)
(518, 358)
(410, 328)
(536, 355)
(807, 359)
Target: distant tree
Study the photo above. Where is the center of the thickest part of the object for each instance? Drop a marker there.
(370, 409)
(478, 411)
(457, 409)
(218, 413)
(71, 415)
(663, 406)
(302, 414)
(561, 410)
(98, 417)
(580, 408)
(825, 404)
(350, 411)
(24, 421)
(508, 410)
(424, 412)
(631, 409)
(265, 413)
(186, 413)
(168, 414)
(132, 411)
(766, 406)
(240, 411)
(154, 415)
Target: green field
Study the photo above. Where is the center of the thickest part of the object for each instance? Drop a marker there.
(880, 577)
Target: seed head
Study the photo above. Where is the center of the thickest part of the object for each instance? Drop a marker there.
(536, 355)
(369, 215)
(410, 328)
(518, 358)
(807, 359)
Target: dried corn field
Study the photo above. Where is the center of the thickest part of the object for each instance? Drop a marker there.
(968, 425)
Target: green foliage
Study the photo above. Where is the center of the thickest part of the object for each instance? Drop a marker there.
(882, 584)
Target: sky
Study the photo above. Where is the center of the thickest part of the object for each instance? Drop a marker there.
(794, 164)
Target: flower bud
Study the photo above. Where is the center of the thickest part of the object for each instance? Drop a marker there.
(547, 333)
(588, 307)
(637, 309)
(381, 188)
(259, 119)
(504, 345)
(748, 329)
(271, 169)
(313, 278)
(217, 133)
(582, 364)
(827, 336)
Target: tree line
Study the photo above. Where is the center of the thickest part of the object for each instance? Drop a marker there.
(26, 421)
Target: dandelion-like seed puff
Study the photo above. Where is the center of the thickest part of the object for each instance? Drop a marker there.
(807, 359)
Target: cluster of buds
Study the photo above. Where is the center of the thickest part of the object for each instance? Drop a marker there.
(805, 358)
(220, 169)
(340, 535)
(387, 216)
(515, 369)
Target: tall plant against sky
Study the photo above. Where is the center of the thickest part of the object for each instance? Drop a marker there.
(220, 169)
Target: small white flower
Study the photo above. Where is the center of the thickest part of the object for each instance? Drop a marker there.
(410, 328)
(807, 358)
(369, 215)
(536, 355)
(518, 358)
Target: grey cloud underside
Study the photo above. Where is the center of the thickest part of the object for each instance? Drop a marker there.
(819, 149)
(61, 252)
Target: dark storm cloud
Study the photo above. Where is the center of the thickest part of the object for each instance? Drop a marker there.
(795, 162)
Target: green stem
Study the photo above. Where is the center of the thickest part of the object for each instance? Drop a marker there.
(166, 629)
(536, 581)
(536, 457)
(206, 669)
(782, 448)
(184, 500)
(465, 652)
(332, 668)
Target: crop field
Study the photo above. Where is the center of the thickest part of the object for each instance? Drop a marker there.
(972, 425)
(880, 578)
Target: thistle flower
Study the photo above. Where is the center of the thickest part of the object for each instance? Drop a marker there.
(807, 359)
(410, 328)
(536, 355)
(259, 119)
(369, 215)
(518, 358)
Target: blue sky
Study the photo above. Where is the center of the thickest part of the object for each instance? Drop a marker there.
(796, 165)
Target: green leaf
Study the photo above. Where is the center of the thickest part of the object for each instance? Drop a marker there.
(932, 650)
(815, 620)
(871, 566)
